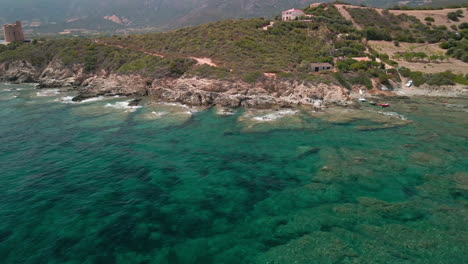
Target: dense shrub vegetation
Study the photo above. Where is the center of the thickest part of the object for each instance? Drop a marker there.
(457, 48)
(419, 57)
(403, 28)
(242, 45)
(242, 49)
(95, 57)
(330, 15)
(455, 15)
(436, 79)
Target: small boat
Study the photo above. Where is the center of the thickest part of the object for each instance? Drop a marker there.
(372, 103)
(362, 100)
(384, 105)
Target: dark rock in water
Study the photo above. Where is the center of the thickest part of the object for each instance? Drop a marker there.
(376, 128)
(134, 102)
(400, 97)
(82, 97)
(306, 151)
(230, 133)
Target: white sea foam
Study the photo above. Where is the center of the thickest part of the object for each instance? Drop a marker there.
(191, 110)
(123, 105)
(276, 115)
(65, 100)
(6, 98)
(93, 99)
(48, 92)
(159, 114)
(11, 90)
(455, 106)
(225, 112)
(69, 100)
(394, 114)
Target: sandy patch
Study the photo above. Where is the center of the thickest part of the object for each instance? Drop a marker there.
(207, 61)
(454, 65)
(265, 28)
(389, 47)
(440, 16)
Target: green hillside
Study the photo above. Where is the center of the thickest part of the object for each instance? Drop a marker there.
(156, 14)
(246, 49)
(244, 45)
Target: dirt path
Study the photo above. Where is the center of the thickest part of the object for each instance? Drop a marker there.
(347, 16)
(200, 61)
(207, 61)
(265, 28)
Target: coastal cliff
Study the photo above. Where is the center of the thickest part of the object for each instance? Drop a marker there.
(267, 92)
(232, 63)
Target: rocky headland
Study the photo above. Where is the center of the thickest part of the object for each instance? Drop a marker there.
(268, 92)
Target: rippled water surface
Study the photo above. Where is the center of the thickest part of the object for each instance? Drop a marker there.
(99, 182)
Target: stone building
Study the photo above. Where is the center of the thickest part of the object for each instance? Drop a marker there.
(317, 67)
(13, 32)
(291, 14)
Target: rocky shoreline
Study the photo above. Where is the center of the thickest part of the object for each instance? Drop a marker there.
(189, 90)
(268, 93)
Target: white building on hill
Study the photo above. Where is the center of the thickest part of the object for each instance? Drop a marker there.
(291, 14)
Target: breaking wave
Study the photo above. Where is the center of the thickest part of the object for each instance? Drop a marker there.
(276, 115)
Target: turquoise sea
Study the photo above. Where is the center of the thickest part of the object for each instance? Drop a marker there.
(99, 182)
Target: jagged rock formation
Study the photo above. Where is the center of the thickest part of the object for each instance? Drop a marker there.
(266, 93)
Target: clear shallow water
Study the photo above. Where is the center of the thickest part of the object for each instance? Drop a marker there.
(98, 183)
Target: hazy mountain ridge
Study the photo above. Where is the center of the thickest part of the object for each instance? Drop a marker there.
(161, 14)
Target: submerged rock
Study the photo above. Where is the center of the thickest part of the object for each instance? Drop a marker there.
(305, 151)
(82, 97)
(135, 102)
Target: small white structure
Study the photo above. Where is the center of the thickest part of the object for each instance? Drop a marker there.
(291, 14)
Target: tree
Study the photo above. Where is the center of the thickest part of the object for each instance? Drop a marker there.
(373, 33)
(452, 16)
(463, 25)
(429, 19)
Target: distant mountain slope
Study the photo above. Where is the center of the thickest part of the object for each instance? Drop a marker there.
(161, 14)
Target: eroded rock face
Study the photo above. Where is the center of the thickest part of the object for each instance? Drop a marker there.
(193, 91)
(266, 94)
(19, 72)
(57, 75)
(115, 84)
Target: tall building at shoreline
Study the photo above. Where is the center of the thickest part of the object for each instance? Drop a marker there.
(13, 32)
